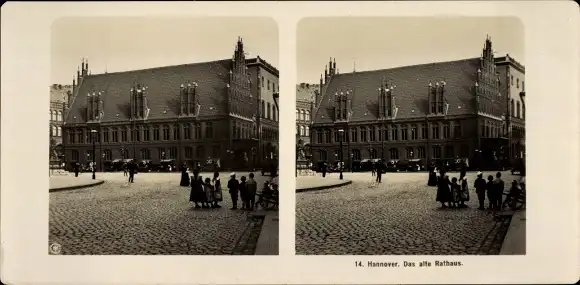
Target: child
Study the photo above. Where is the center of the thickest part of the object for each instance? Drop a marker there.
(209, 192)
(244, 193)
(455, 193)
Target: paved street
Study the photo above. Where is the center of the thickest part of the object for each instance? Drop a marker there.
(396, 217)
(151, 216)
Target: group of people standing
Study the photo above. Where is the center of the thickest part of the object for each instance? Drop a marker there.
(453, 193)
(207, 193)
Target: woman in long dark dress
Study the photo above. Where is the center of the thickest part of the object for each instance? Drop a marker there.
(197, 195)
(184, 176)
(432, 177)
(443, 190)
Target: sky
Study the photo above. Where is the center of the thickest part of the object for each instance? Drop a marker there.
(124, 43)
(380, 43)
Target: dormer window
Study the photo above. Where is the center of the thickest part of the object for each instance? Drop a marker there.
(386, 101)
(188, 99)
(139, 108)
(95, 109)
(341, 106)
(436, 100)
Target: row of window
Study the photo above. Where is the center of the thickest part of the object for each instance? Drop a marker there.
(492, 129)
(393, 153)
(518, 83)
(199, 152)
(392, 133)
(141, 133)
(268, 111)
(273, 85)
(303, 115)
(56, 115)
(304, 131)
(55, 131)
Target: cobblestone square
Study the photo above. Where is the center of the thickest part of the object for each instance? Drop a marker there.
(397, 217)
(151, 216)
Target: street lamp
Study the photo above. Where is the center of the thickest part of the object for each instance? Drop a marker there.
(93, 133)
(341, 131)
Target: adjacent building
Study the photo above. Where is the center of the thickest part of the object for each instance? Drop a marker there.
(59, 96)
(430, 111)
(513, 85)
(191, 113)
(305, 95)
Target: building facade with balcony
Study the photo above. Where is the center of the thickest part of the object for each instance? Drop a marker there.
(192, 113)
(430, 111)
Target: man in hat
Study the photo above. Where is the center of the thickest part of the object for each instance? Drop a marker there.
(480, 186)
(234, 188)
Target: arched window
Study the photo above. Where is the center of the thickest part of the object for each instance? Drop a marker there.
(302, 131)
(53, 131)
(297, 114)
(307, 115)
(59, 116)
(166, 132)
(518, 110)
(303, 115)
(512, 108)
(58, 131)
(307, 132)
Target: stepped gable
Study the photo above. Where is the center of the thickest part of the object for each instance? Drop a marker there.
(305, 91)
(163, 89)
(410, 93)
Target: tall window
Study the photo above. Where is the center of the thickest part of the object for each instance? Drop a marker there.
(197, 129)
(435, 131)
(395, 133)
(446, 131)
(424, 132)
(176, 132)
(322, 155)
(145, 153)
(372, 153)
(356, 154)
(123, 134)
(156, 133)
(373, 133)
(363, 134)
(354, 135)
(518, 115)
(410, 153)
(302, 131)
(512, 108)
(404, 132)
(75, 155)
(105, 135)
(318, 136)
(421, 152)
(186, 132)
(414, 132)
(327, 136)
(436, 151)
(188, 152)
(297, 115)
(307, 132)
(274, 114)
(161, 153)
(394, 153)
(115, 135)
(457, 130)
(146, 136)
(209, 130)
(308, 115)
(336, 136)
(173, 152)
(165, 132)
(268, 111)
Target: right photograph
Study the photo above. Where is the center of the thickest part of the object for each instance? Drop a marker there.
(410, 136)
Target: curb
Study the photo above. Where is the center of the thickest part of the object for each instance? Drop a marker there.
(323, 187)
(98, 182)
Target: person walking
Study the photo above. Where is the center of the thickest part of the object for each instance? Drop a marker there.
(217, 186)
(252, 188)
(499, 187)
(324, 170)
(76, 167)
(373, 168)
(480, 186)
(125, 165)
(379, 170)
(132, 169)
(489, 187)
(234, 187)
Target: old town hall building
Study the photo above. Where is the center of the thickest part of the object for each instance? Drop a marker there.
(220, 110)
(430, 111)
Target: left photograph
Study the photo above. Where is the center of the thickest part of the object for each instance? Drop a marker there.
(164, 136)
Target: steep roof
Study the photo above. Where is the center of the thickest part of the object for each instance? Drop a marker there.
(305, 92)
(163, 88)
(410, 93)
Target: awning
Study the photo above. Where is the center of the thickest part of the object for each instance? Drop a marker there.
(365, 160)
